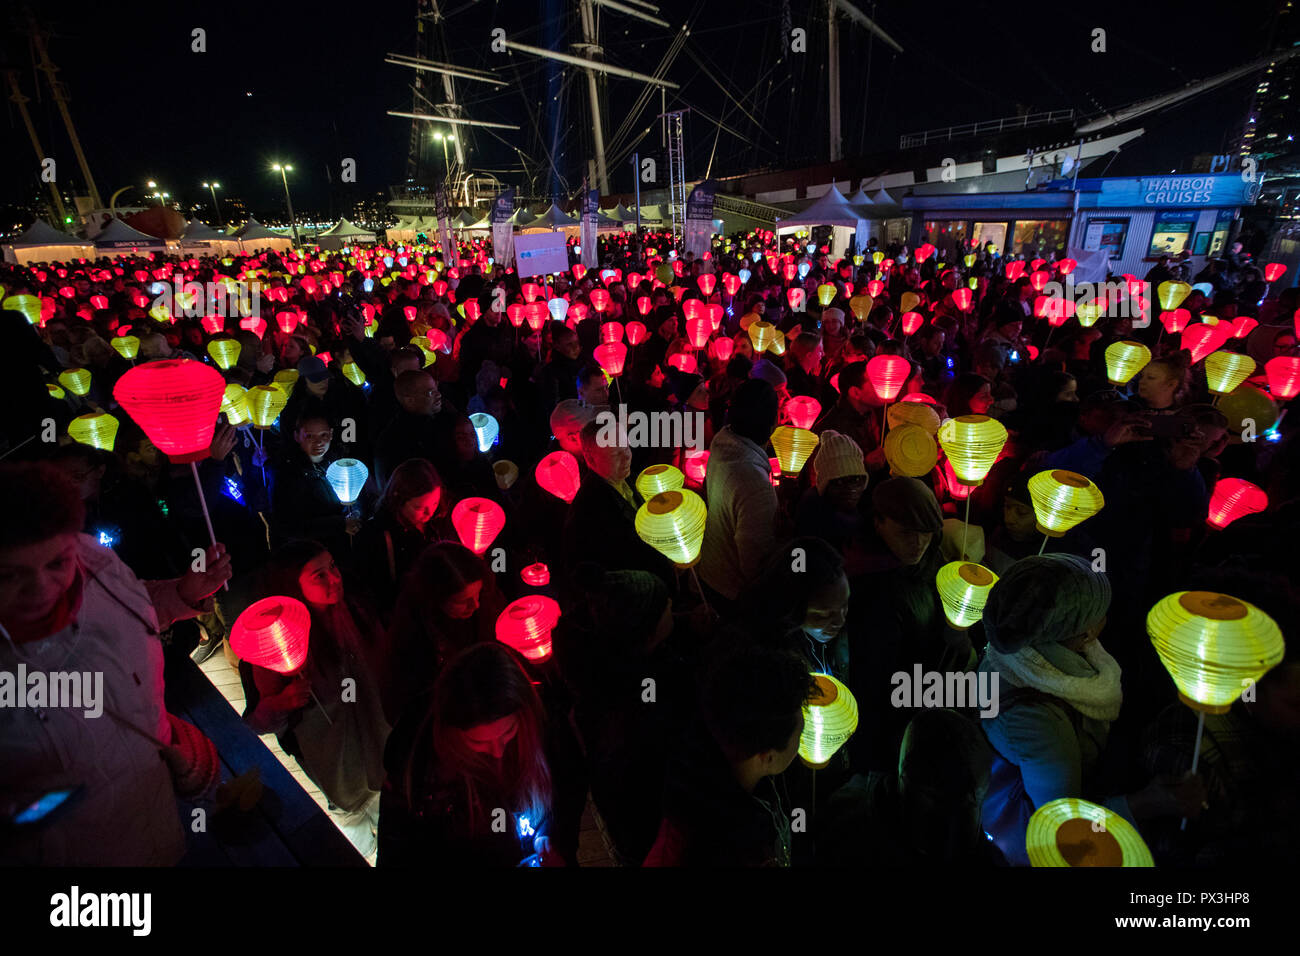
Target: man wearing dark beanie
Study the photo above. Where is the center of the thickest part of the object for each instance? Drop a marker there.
(1061, 692)
(740, 530)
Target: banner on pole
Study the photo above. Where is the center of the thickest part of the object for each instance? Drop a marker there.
(587, 230)
(444, 227)
(503, 230)
(699, 218)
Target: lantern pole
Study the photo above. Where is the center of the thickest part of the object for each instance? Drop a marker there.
(1043, 547)
(700, 589)
(207, 518)
(1196, 753)
(965, 527)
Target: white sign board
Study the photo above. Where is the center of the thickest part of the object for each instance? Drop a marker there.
(540, 254)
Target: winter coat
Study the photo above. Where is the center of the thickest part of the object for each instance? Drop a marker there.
(740, 529)
(126, 814)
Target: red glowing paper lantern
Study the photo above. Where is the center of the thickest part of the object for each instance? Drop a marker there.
(695, 464)
(636, 332)
(723, 348)
(731, 283)
(803, 410)
(643, 304)
(526, 625)
(888, 374)
(789, 271)
(1175, 320)
(1283, 376)
(692, 309)
(99, 302)
(1039, 280)
(956, 490)
(176, 402)
(273, 633)
(924, 252)
(919, 397)
(473, 310)
(886, 265)
(577, 312)
(439, 288)
(1243, 325)
(611, 356)
(536, 575)
(911, 322)
(1066, 266)
(1014, 269)
(1033, 352)
(795, 296)
(515, 313)
(212, 324)
(536, 312)
(1273, 271)
(599, 299)
(1036, 264)
(874, 288)
(962, 298)
(1234, 498)
(437, 340)
(611, 332)
(684, 362)
(531, 290)
(477, 521)
(715, 313)
(287, 321)
(254, 324)
(1202, 339)
(558, 473)
(698, 330)
(707, 281)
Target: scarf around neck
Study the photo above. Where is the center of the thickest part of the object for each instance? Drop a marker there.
(1097, 695)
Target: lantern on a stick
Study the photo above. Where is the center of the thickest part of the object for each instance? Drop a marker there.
(964, 590)
(478, 521)
(526, 625)
(1062, 500)
(793, 447)
(659, 478)
(1124, 360)
(97, 429)
(1074, 832)
(1231, 499)
(830, 718)
(558, 473)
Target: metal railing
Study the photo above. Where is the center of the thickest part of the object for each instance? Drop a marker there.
(945, 133)
(758, 211)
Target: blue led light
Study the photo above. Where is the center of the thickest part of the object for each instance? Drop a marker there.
(233, 491)
(525, 827)
(950, 362)
(106, 538)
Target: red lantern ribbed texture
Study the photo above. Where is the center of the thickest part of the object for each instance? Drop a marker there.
(478, 521)
(1234, 498)
(888, 374)
(176, 402)
(272, 633)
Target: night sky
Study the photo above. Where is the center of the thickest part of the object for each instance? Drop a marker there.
(146, 106)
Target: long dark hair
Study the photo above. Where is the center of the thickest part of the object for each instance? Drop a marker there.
(413, 479)
(482, 684)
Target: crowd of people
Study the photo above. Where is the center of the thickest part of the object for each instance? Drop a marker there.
(672, 699)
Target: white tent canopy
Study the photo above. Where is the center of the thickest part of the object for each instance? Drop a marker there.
(831, 209)
(254, 237)
(118, 236)
(553, 219)
(41, 242)
(200, 237)
(343, 233)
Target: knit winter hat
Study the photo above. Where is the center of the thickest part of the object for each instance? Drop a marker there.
(1045, 599)
(571, 414)
(768, 372)
(838, 456)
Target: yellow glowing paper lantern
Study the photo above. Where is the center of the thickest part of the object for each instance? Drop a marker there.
(972, 444)
(672, 522)
(265, 403)
(160, 312)
(1172, 294)
(973, 282)
(826, 294)
(1074, 832)
(352, 372)
(861, 306)
(830, 718)
(55, 391)
(225, 352)
(1063, 499)
(234, 404)
(1088, 312)
(908, 302)
(913, 413)
(1213, 645)
(76, 381)
(1224, 370)
(793, 446)
(969, 259)
(778, 343)
(910, 451)
(285, 380)
(659, 478)
(28, 305)
(877, 257)
(127, 346)
(761, 336)
(964, 590)
(98, 430)
(1124, 360)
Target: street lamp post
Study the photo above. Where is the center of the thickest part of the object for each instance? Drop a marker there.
(221, 223)
(284, 174)
(445, 138)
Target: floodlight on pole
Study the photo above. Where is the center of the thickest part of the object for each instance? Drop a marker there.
(284, 170)
(214, 186)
